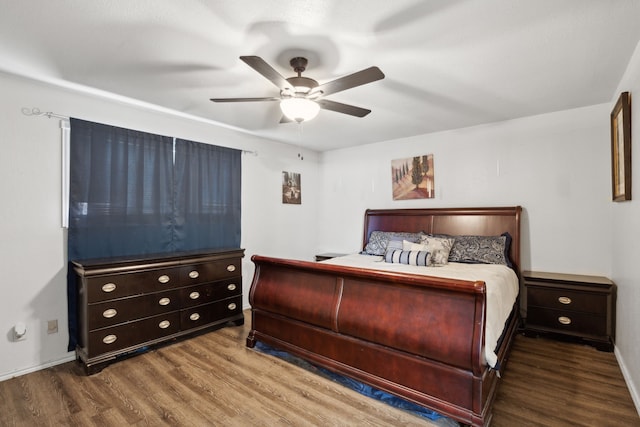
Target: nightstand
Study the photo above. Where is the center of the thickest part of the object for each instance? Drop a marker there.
(569, 305)
(327, 255)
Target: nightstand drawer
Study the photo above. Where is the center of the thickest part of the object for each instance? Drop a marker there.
(568, 300)
(566, 321)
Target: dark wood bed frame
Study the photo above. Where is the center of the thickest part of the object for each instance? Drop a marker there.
(417, 337)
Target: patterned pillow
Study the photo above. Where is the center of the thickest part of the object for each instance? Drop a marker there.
(378, 240)
(439, 247)
(394, 244)
(419, 258)
(481, 249)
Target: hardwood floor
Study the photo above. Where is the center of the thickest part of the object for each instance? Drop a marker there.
(214, 380)
(551, 383)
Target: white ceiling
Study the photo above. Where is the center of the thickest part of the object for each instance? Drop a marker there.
(448, 63)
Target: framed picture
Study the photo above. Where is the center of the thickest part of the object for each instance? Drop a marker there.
(413, 178)
(291, 188)
(621, 148)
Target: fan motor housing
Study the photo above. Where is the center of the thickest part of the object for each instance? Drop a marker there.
(302, 82)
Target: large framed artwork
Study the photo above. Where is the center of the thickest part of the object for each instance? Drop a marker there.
(413, 178)
(621, 148)
(291, 188)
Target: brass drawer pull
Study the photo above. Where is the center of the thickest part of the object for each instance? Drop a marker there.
(231, 268)
(194, 316)
(194, 295)
(564, 320)
(232, 306)
(564, 300)
(164, 279)
(194, 274)
(164, 324)
(109, 313)
(231, 286)
(109, 287)
(164, 301)
(109, 339)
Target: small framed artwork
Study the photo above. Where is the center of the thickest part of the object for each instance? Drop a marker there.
(413, 178)
(621, 148)
(291, 188)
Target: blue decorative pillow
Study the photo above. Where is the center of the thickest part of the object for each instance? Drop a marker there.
(481, 249)
(378, 240)
(419, 258)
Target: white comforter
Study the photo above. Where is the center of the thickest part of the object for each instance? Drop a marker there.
(501, 283)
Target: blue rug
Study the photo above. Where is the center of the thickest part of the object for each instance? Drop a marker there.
(361, 388)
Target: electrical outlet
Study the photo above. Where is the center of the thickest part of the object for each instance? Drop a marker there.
(52, 326)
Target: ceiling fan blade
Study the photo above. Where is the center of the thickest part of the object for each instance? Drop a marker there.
(359, 78)
(267, 71)
(343, 108)
(285, 119)
(270, 98)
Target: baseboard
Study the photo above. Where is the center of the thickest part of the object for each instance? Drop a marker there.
(627, 379)
(68, 358)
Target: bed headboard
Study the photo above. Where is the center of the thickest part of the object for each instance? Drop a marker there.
(453, 221)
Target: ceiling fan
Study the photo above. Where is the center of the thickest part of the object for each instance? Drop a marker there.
(300, 97)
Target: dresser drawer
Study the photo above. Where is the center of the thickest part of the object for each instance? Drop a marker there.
(566, 321)
(101, 288)
(112, 312)
(132, 333)
(567, 299)
(209, 292)
(208, 313)
(196, 273)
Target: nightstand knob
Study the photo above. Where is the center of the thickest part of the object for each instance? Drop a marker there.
(164, 279)
(164, 301)
(194, 295)
(231, 286)
(194, 274)
(231, 268)
(194, 316)
(232, 306)
(564, 300)
(564, 320)
(164, 324)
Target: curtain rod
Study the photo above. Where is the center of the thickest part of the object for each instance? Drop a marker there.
(37, 113)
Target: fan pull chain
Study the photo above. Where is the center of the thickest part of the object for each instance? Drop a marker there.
(300, 135)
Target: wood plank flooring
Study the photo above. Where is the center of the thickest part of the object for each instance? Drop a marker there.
(214, 380)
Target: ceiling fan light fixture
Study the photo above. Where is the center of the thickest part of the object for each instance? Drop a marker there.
(299, 109)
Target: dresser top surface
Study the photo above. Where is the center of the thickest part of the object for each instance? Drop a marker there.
(170, 257)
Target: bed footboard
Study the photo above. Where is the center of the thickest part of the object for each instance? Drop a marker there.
(424, 342)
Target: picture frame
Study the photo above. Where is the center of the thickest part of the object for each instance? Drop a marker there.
(291, 188)
(413, 178)
(621, 148)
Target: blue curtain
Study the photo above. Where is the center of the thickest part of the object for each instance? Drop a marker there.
(207, 196)
(136, 193)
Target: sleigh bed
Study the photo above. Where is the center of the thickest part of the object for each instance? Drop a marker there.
(404, 329)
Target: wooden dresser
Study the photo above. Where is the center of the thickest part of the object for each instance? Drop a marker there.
(576, 306)
(126, 305)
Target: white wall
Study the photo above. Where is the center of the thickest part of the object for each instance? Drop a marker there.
(625, 253)
(33, 244)
(556, 166)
